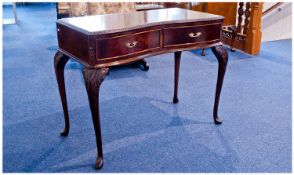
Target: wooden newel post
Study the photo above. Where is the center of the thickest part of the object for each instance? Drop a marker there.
(253, 34)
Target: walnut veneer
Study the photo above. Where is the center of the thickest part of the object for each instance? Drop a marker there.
(101, 41)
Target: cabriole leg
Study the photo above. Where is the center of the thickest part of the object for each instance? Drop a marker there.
(60, 61)
(93, 79)
(177, 70)
(222, 56)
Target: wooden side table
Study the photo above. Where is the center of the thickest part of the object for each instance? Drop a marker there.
(99, 42)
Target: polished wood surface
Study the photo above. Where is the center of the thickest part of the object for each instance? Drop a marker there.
(129, 44)
(97, 41)
(74, 42)
(93, 79)
(60, 61)
(74, 9)
(177, 72)
(100, 47)
(110, 23)
(186, 35)
(222, 58)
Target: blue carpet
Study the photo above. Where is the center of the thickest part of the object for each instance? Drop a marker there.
(142, 130)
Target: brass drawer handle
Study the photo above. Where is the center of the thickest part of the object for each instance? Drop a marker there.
(195, 35)
(131, 44)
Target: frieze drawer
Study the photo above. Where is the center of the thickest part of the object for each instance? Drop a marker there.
(127, 45)
(187, 35)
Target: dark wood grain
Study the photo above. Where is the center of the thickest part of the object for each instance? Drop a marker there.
(74, 42)
(108, 50)
(60, 61)
(177, 70)
(183, 35)
(222, 56)
(128, 38)
(93, 79)
(119, 22)
(127, 45)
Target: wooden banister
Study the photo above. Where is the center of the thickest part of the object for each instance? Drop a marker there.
(247, 16)
(242, 25)
(240, 17)
(253, 34)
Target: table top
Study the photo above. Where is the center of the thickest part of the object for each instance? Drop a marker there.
(110, 23)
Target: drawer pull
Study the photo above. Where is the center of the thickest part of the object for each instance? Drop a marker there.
(131, 44)
(195, 35)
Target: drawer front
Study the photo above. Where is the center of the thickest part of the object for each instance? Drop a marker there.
(127, 45)
(187, 35)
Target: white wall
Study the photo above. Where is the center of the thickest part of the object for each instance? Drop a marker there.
(267, 5)
(277, 24)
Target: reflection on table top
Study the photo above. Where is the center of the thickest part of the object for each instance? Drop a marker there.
(109, 23)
